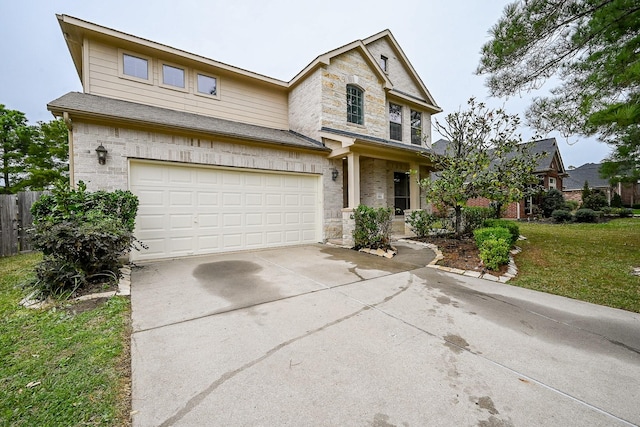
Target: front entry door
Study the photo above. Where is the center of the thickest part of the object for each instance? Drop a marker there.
(401, 192)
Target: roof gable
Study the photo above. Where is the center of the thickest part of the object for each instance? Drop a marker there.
(362, 47)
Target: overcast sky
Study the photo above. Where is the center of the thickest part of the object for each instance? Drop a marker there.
(277, 38)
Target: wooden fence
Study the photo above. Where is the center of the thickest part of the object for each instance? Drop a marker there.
(15, 221)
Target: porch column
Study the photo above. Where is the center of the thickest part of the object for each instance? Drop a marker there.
(414, 187)
(353, 164)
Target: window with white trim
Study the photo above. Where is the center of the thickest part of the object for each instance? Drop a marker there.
(355, 110)
(395, 122)
(135, 67)
(552, 183)
(416, 127)
(173, 76)
(206, 85)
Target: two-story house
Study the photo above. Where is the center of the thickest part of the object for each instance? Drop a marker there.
(226, 159)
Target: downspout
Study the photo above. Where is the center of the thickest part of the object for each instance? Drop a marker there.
(69, 123)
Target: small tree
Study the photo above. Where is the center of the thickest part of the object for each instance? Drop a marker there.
(551, 201)
(586, 191)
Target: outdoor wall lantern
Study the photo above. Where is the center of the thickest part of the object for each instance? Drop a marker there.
(334, 174)
(102, 154)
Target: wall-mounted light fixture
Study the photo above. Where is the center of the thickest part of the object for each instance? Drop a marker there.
(334, 174)
(102, 154)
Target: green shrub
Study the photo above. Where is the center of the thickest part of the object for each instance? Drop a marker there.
(373, 227)
(551, 201)
(494, 253)
(82, 235)
(586, 215)
(561, 215)
(571, 205)
(486, 233)
(512, 226)
(474, 217)
(596, 200)
(421, 222)
(616, 201)
(622, 212)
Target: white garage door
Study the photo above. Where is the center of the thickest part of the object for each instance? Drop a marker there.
(187, 210)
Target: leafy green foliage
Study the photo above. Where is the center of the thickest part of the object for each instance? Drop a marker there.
(31, 157)
(474, 217)
(421, 222)
(494, 253)
(592, 48)
(484, 157)
(551, 201)
(485, 233)
(561, 215)
(586, 215)
(511, 226)
(571, 205)
(373, 227)
(82, 236)
(616, 201)
(596, 200)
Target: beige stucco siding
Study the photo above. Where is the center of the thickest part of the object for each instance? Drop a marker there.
(240, 99)
(398, 74)
(351, 67)
(124, 144)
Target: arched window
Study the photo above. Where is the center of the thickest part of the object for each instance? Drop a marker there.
(355, 111)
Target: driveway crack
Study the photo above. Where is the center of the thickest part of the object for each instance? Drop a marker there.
(198, 398)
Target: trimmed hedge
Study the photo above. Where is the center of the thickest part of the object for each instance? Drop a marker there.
(486, 233)
(373, 227)
(511, 226)
(561, 215)
(586, 215)
(494, 244)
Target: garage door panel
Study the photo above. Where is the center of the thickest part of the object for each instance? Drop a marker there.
(195, 210)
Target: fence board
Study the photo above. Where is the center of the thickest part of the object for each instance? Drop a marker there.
(25, 220)
(8, 224)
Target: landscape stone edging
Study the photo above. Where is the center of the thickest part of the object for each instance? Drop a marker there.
(512, 270)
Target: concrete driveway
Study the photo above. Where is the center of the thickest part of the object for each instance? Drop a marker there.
(324, 336)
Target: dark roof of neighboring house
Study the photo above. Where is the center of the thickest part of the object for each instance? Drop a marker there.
(588, 172)
(549, 147)
(93, 106)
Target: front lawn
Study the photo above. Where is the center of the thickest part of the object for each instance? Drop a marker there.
(589, 262)
(61, 366)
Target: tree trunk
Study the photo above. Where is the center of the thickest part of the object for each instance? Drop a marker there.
(458, 223)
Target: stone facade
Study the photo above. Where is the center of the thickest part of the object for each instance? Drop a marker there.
(305, 109)
(352, 68)
(124, 144)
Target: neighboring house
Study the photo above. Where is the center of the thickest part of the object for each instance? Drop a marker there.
(225, 159)
(590, 172)
(549, 169)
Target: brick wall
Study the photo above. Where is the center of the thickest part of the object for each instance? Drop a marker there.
(124, 144)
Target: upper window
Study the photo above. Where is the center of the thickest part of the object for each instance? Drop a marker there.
(552, 183)
(416, 127)
(355, 111)
(395, 122)
(135, 66)
(172, 76)
(384, 63)
(207, 85)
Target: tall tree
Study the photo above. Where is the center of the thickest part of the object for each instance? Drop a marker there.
(591, 47)
(48, 155)
(15, 138)
(480, 159)
(31, 157)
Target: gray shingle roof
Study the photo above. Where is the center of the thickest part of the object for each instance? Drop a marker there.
(588, 172)
(87, 105)
(382, 141)
(547, 146)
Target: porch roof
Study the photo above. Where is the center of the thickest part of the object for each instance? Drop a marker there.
(376, 147)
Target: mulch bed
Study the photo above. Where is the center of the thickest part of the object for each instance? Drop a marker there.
(461, 253)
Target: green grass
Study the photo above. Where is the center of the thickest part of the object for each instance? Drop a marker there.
(79, 362)
(589, 262)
